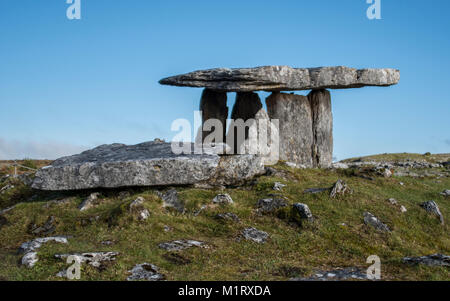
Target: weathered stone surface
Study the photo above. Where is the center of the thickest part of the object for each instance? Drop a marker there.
(336, 275)
(296, 137)
(340, 188)
(322, 121)
(373, 221)
(270, 204)
(255, 235)
(171, 200)
(145, 271)
(431, 260)
(284, 78)
(90, 202)
(446, 192)
(214, 106)
(138, 209)
(30, 248)
(47, 228)
(315, 190)
(95, 259)
(228, 216)
(278, 186)
(433, 208)
(146, 164)
(178, 245)
(223, 199)
(302, 211)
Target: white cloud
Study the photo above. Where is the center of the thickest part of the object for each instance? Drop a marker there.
(15, 149)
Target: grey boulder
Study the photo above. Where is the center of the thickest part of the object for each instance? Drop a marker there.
(284, 78)
(433, 208)
(255, 235)
(145, 271)
(146, 164)
(373, 221)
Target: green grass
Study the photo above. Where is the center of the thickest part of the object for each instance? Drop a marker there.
(291, 250)
(427, 157)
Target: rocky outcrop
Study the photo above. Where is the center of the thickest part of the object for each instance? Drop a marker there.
(284, 78)
(305, 127)
(146, 164)
(30, 248)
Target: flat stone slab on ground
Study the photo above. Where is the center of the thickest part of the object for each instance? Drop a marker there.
(431, 260)
(145, 164)
(284, 78)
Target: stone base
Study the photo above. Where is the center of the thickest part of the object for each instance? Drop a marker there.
(146, 164)
(306, 127)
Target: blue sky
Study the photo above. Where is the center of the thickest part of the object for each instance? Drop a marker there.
(68, 85)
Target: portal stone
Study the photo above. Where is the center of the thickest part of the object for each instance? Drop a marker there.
(214, 106)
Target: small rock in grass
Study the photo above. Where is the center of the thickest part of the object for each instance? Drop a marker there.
(302, 211)
(95, 259)
(178, 245)
(336, 275)
(255, 235)
(171, 200)
(137, 209)
(145, 271)
(228, 217)
(372, 220)
(430, 260)
(47, 228)
(90, 202)
(387, 173)
(270, 204)
(433, 208)
(278, 186)
(446, 192)
(223, 199)
(340, 188)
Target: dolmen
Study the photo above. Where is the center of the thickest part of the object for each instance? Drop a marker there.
(303, 133)
(305, 123)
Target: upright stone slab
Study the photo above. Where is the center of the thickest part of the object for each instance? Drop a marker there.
(295, 126)
(214, 106)
(322, 120)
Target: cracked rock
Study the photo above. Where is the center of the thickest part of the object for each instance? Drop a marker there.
(302, 211)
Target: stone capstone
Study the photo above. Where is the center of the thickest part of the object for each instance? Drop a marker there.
(146, 164)
(284, 78)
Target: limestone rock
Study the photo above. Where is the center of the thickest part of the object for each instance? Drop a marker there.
(145, 271)
(30, 248)
(223, 199)
(336, 275)
(228, 217)
(270, 204)
(278, 186)
(146, 164)
(340, 188)
(373, 221)
(433, 208)
(90, 202)
(95, 259)
(284, 78)
(302, 211)
(178, 245)
(322, 121)
(137, 209)
(171, 200)
(47, 228)
(446, 192)
(214, 106)
(430, 260)
(255, 235)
